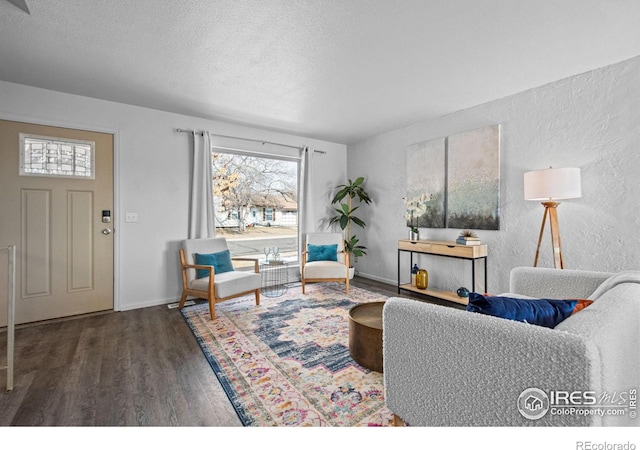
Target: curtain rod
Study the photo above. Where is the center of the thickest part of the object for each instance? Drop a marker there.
(181, 130)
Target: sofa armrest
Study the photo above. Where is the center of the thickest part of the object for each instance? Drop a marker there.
(449, 367)
(555, 283)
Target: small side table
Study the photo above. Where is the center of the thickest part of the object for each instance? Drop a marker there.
(365, 335)
(275, 276)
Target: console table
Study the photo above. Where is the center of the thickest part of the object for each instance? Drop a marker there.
(447, 249)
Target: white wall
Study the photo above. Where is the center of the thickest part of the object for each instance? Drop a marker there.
(152, 179)
(590, 121)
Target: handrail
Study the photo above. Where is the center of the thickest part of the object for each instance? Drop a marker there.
(11, 314)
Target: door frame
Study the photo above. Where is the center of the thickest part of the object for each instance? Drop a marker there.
(119, 219)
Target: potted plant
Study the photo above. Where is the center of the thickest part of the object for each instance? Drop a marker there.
(345, 215)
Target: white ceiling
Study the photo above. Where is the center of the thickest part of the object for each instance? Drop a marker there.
(337, 70)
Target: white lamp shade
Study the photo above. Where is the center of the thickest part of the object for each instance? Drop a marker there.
(552, 184)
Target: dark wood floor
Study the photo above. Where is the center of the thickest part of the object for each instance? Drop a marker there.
(132, 368)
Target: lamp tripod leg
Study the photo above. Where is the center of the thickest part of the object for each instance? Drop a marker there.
(544, 219)
(555, 238)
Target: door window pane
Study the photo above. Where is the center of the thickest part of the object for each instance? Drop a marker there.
(52, 157)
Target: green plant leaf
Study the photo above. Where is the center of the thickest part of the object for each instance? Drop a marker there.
(358, 221)
(344, 221)
(364, 197)
(353, 189)
(342, 193)
(355, 250)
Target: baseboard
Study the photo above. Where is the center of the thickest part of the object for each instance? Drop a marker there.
(147, 304)
(375, 278)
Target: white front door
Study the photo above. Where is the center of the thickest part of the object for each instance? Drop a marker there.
(64, 249)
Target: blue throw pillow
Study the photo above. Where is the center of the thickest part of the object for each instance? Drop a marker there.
(544, 312)
(220, 261)
(322, 252)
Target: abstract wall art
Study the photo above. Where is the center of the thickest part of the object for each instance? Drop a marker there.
(473, 179)
(454, 182)
(426, 185)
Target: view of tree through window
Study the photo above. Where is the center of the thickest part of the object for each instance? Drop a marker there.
(256, 204)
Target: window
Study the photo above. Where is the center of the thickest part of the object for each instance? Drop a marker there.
(255, 198)
(52, 157)
(268, 214)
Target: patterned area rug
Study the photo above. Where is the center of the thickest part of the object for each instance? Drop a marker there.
(287, 363)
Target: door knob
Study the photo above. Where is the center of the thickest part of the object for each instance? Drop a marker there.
(106, 231)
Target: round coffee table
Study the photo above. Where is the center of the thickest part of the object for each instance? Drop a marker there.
(365, 335)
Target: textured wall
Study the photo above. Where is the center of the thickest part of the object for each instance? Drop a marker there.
(590, 121)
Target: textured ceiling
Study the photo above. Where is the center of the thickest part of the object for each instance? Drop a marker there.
(337, 70)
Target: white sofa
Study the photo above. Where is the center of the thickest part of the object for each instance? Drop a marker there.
(450, 367)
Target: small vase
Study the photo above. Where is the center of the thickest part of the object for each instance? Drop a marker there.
(414, 235)
(422, 279)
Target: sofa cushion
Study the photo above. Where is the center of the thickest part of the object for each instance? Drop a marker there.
(221, 262)
(322, 252)
(540, 311)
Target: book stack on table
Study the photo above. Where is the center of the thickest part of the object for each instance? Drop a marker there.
(465, 240)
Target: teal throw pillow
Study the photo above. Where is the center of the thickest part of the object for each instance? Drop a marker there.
(544, 312)
(220, 261)
(322, 252)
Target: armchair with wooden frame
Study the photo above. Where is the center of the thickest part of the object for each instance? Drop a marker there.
(216, 287)
(323, 271)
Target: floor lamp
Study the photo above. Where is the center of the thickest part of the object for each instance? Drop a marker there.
(549, 186)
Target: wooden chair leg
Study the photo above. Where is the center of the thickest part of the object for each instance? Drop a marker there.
(212, 308)
(182, 300)
(303, 285)
(257, 297)
(398, 422)
(212, 295)
(347, 283)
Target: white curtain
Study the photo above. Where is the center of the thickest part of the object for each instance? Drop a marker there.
(201, 214)
(305, 198)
